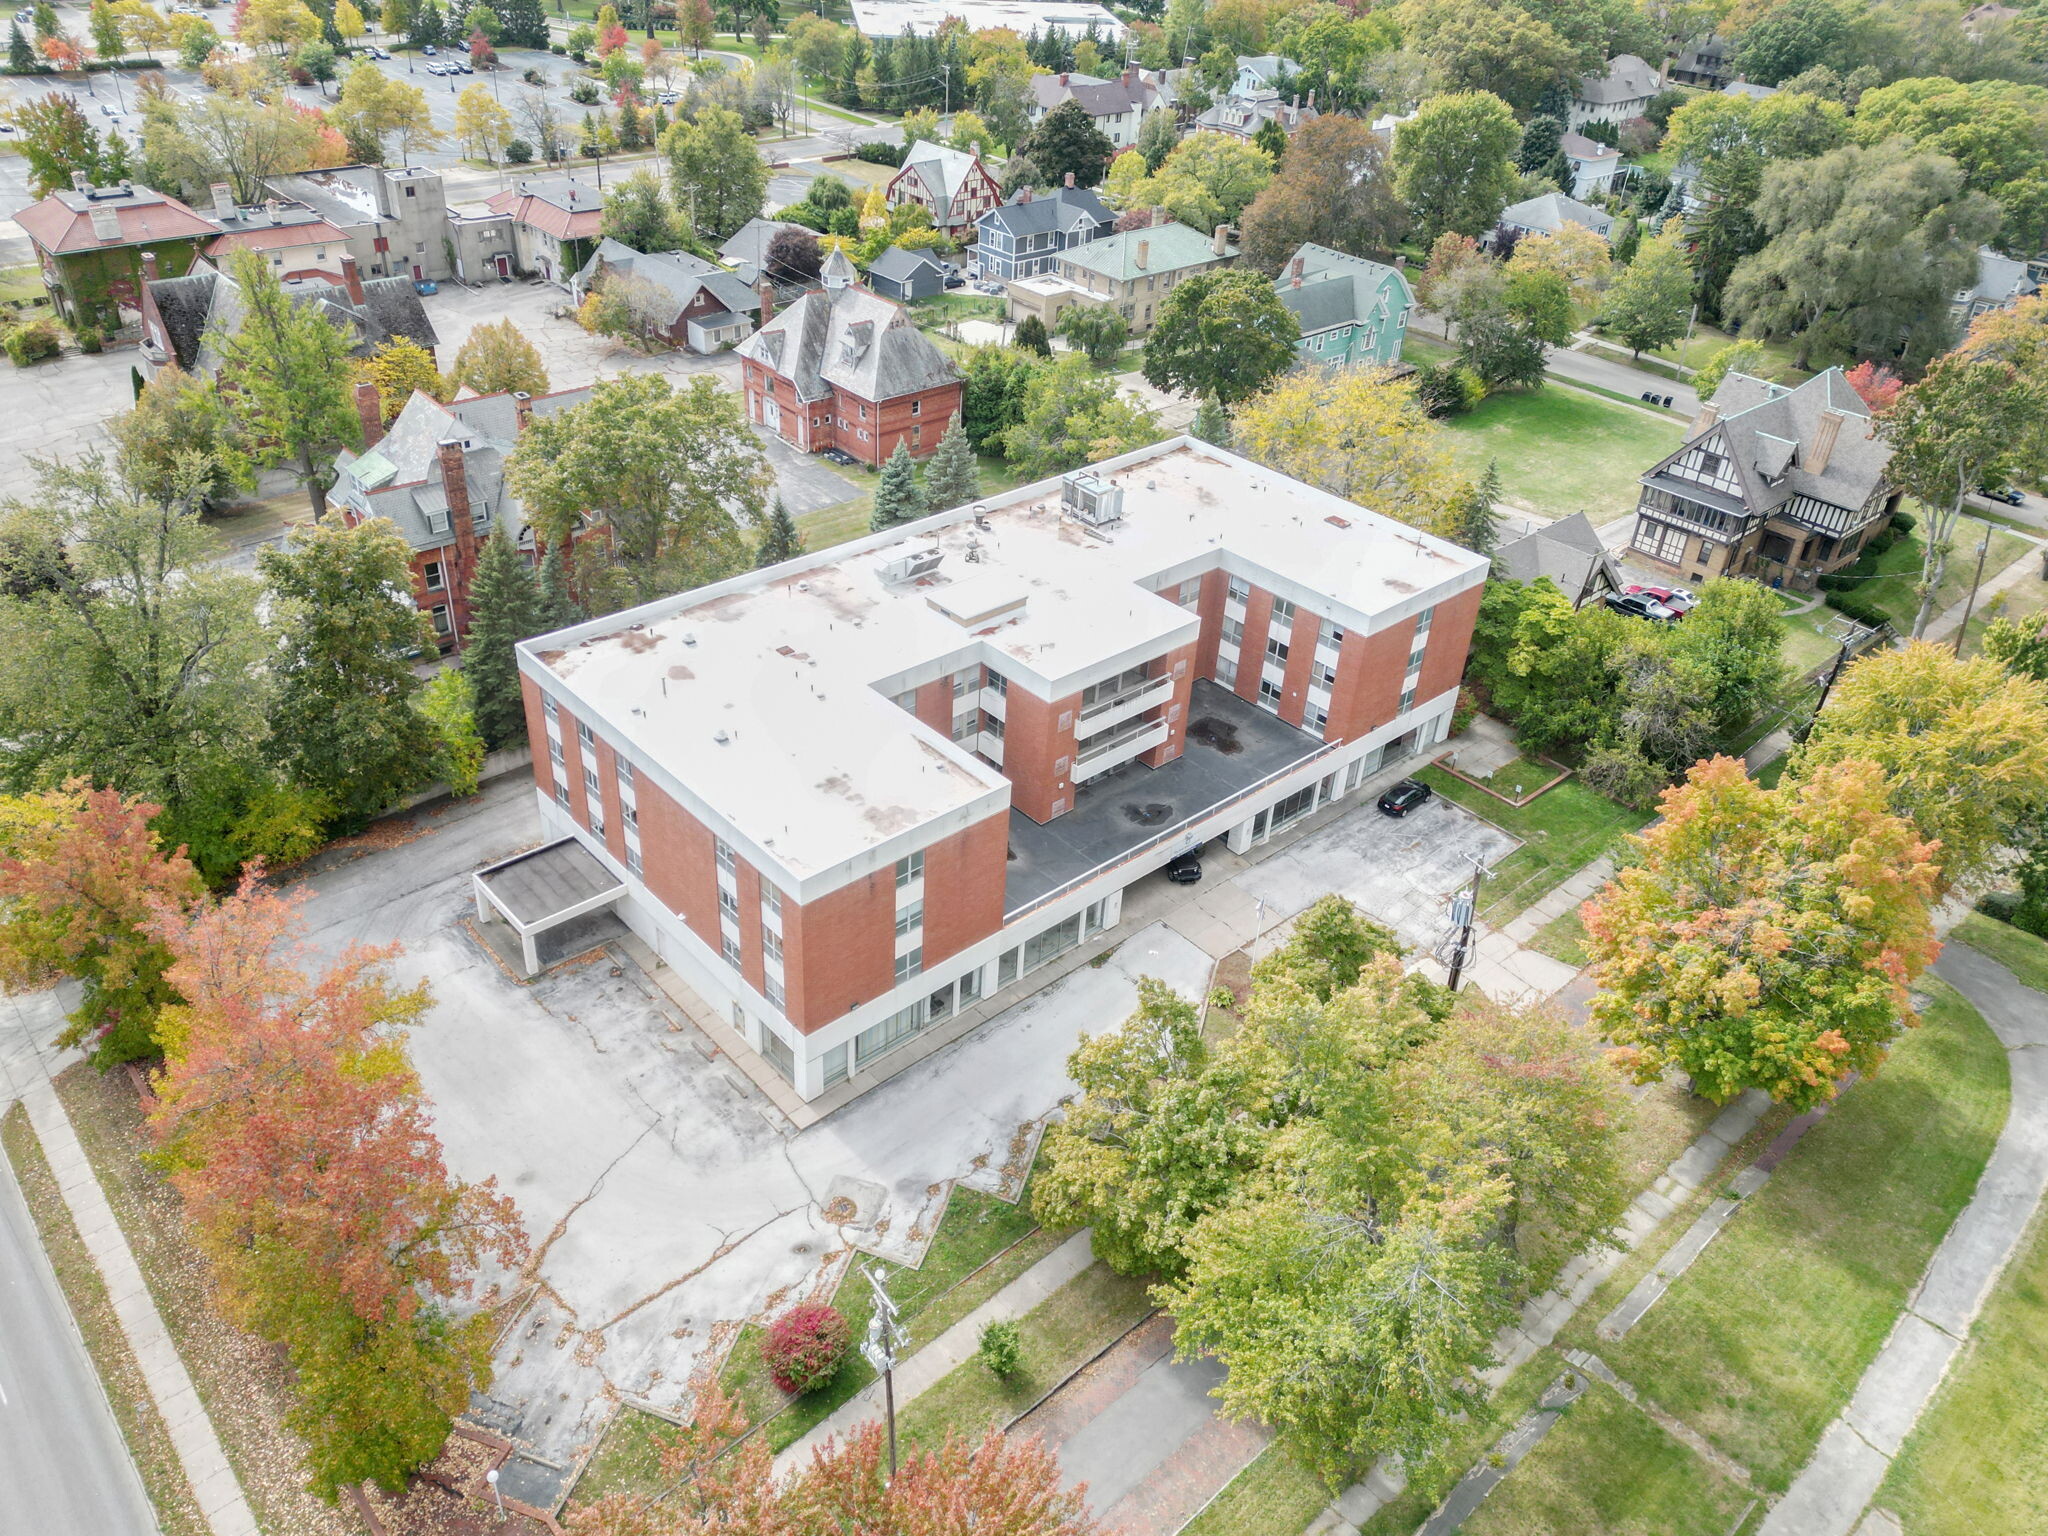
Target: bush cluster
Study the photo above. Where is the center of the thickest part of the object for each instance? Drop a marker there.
(877, 153)
(33, 342)
(803, 1348)
(1851, 603)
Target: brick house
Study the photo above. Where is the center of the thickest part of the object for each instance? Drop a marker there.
(844, 368)
(856, 800)
(438, 474)
(91, 243)
(704, 308)
(556, 224)
(953, 186)
(1132, 272)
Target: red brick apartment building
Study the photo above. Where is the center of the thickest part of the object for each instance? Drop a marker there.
(855, 796)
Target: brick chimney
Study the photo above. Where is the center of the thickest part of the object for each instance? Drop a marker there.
(1024, 196)
(522, 408)
(148, 268)
(1709, 414)
(1130, 77)
(351, 279)
(1143, 255)
(766, 290)
(369, 406)
(1220, 242)
(224, 201)
(1069, 181)
(1295, 269)
(461, 524)
(1064, 78)
(1822, 447)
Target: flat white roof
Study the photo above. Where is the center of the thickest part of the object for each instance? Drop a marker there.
(893, 18)
(797, 668)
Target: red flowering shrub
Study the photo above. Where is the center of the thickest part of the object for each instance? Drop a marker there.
(803, 1347)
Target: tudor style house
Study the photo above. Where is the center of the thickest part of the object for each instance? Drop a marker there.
(1350, 310)
(1778, 483)
(844, 368)
(1025, 236)
(953, 186)
(438, 474)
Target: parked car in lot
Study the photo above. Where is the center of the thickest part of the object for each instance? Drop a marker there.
(430, 50)
(1640, 605)
(2004, 495)
(465, 69)
(1404, 797)
(1186, 869)
(1677, 599)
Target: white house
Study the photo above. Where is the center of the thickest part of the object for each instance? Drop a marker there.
(1595, 167)
(1623, 91)
(1547, 214)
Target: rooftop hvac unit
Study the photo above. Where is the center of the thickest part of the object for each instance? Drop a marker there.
(911, 566)
(1088, 498)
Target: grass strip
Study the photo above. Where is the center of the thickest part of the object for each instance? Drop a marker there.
(120, 1373)
(1562, 831)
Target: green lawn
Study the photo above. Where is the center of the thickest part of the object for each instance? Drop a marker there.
(1806, 645)
(1062, 1332)
(1562, 831)
(1430, 1480)
(1761, 1342)
(950, 308)
(1607, 1469)
(1275, 1493)
(1563, 938)
(1563, 450)
(2021, 953)
(2024, 601)
(847, 520)
(1888, 581)
(1706, 341)
(1974, 1467)
(1521, 777)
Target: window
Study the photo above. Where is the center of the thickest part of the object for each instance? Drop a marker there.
(1056, 940)
(1276, 650)
(1226, 672)
(1660, 541)
(771, 945)
(1320, 676)
(555, 750)
(562, 795)
(412, 191)
(1334, 637)
(1283, 612)
(779, 1055)
(771, 898)
(436, 578)
(909, 963)
(596, 822)
(908, 700)
(731, 950)
(1269, 694)
(1300, 803)
(999, 684)
(633, 858)
(723, 851)
(966, 681)
(1006, 968)
(879, 1039)
(1190, 593)
(728, 903)
(966, 727)
(1320, 720)
(773, 991)
(991, 725)
(442, 625)
(917, 407)
(1233, 631)
(1424, 619)
(1407, 701)
(909, 868)
(625, 773)
(547, 705)
(1240, 590)
(970, 987)
(909, 917)
(590, 781)
(583, 734)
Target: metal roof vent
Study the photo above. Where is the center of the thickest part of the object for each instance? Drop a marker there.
(720, 736)
(1088, 498)
(913, 565)
(689, 637)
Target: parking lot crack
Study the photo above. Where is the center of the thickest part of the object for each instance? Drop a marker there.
(531, 1271)
(726, 1245)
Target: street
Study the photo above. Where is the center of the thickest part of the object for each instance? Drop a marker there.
(64, 1468)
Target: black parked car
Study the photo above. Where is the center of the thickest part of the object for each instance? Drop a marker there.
(1640, 605)
(1404, 797)
(1186, 869)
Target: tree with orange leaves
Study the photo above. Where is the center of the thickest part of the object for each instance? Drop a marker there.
(1766, 938)
(992, 1487)
(80, 875)
(290, 1121)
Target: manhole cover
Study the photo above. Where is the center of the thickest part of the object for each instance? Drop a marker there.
(1220, 734)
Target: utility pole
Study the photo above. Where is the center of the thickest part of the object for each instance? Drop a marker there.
(1983, 549)
(1464, 912)
(1827, 687)
(884, 1346)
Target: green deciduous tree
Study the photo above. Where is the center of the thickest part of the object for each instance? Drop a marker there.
(673, 474)
(1073, 416)
(1095, 329)
(1066, 139)
(180, 439)
(400, 368)
(992, 397)
(58, 141)
(1453, 163)
(637, 213)
(1489, 47)
(1764, 938)
(1737, 357)
(719, 178)
(1334, 187)
(342, 720)
(1651, 301)
(289, 367)
(1223, 334)
(496, 358)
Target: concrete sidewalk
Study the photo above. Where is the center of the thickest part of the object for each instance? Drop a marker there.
(1830, 1494)
(206, 1465)
(951, 1349)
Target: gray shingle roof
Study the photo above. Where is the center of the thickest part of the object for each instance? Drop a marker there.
(853, 339)
(1168, 247)
(899, 265)
(682, 275)
(1057, 209)
(1568, 551)
(1552, 211)
(1626, 78)
(1768, 431)
(747, 251)
(390, 307)
(945, 172)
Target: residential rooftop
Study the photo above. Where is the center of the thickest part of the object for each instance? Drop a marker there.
(770, 697)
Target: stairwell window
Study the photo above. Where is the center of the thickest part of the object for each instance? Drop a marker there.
(434, 575)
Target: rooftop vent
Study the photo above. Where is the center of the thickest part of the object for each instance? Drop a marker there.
(689, 637)
(720, 736)
(1088, 498)
(915, 564)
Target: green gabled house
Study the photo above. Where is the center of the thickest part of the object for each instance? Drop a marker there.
(1351, 311)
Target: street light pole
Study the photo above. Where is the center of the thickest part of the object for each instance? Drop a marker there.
(883, 1347)
(1983, 549)
(1464, 911)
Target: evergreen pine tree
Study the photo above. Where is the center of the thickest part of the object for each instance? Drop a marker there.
(558, 605)
(780, 539)
(526, 24)
(953, 478)
(1032, 337)
(428, 28)
(1473, 525)
(852, 60)
(21, 58)
(504, 608)
(898, 497)
(1212, 422)
(1272, 138)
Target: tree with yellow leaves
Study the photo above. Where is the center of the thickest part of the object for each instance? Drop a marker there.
(1575, 254)
(1361, 434)
(398, 368)
(280, 24)
(483, 126)
(348, 22)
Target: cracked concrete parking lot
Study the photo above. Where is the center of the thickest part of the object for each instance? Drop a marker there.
(666, 1200)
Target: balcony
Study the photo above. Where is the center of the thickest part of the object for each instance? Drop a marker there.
(1104, 713)
(1233, 749)
(1104, 752)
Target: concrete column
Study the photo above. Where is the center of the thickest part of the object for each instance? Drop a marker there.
(530, 952)
(1240, 837)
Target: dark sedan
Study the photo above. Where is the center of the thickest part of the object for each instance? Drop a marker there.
(1404, 797)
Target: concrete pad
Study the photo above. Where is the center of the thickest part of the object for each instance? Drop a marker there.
(1828, 1497)
(1385, 1483)
(1748, 1182)
(1899, 1383)
(1114, 1452)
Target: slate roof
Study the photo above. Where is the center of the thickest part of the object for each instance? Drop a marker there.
(2000, 280)
(852, 339)
(1767, 429)
(207, 303)
(1096, 96)
(1057, 209)
(1169, 247)
(62, 222)
(1552, 211)
(1627, 78)
(900, 266)
(560, 206)
(400, 478)
(1245, 115)
(1568, 551)
(682, 275)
